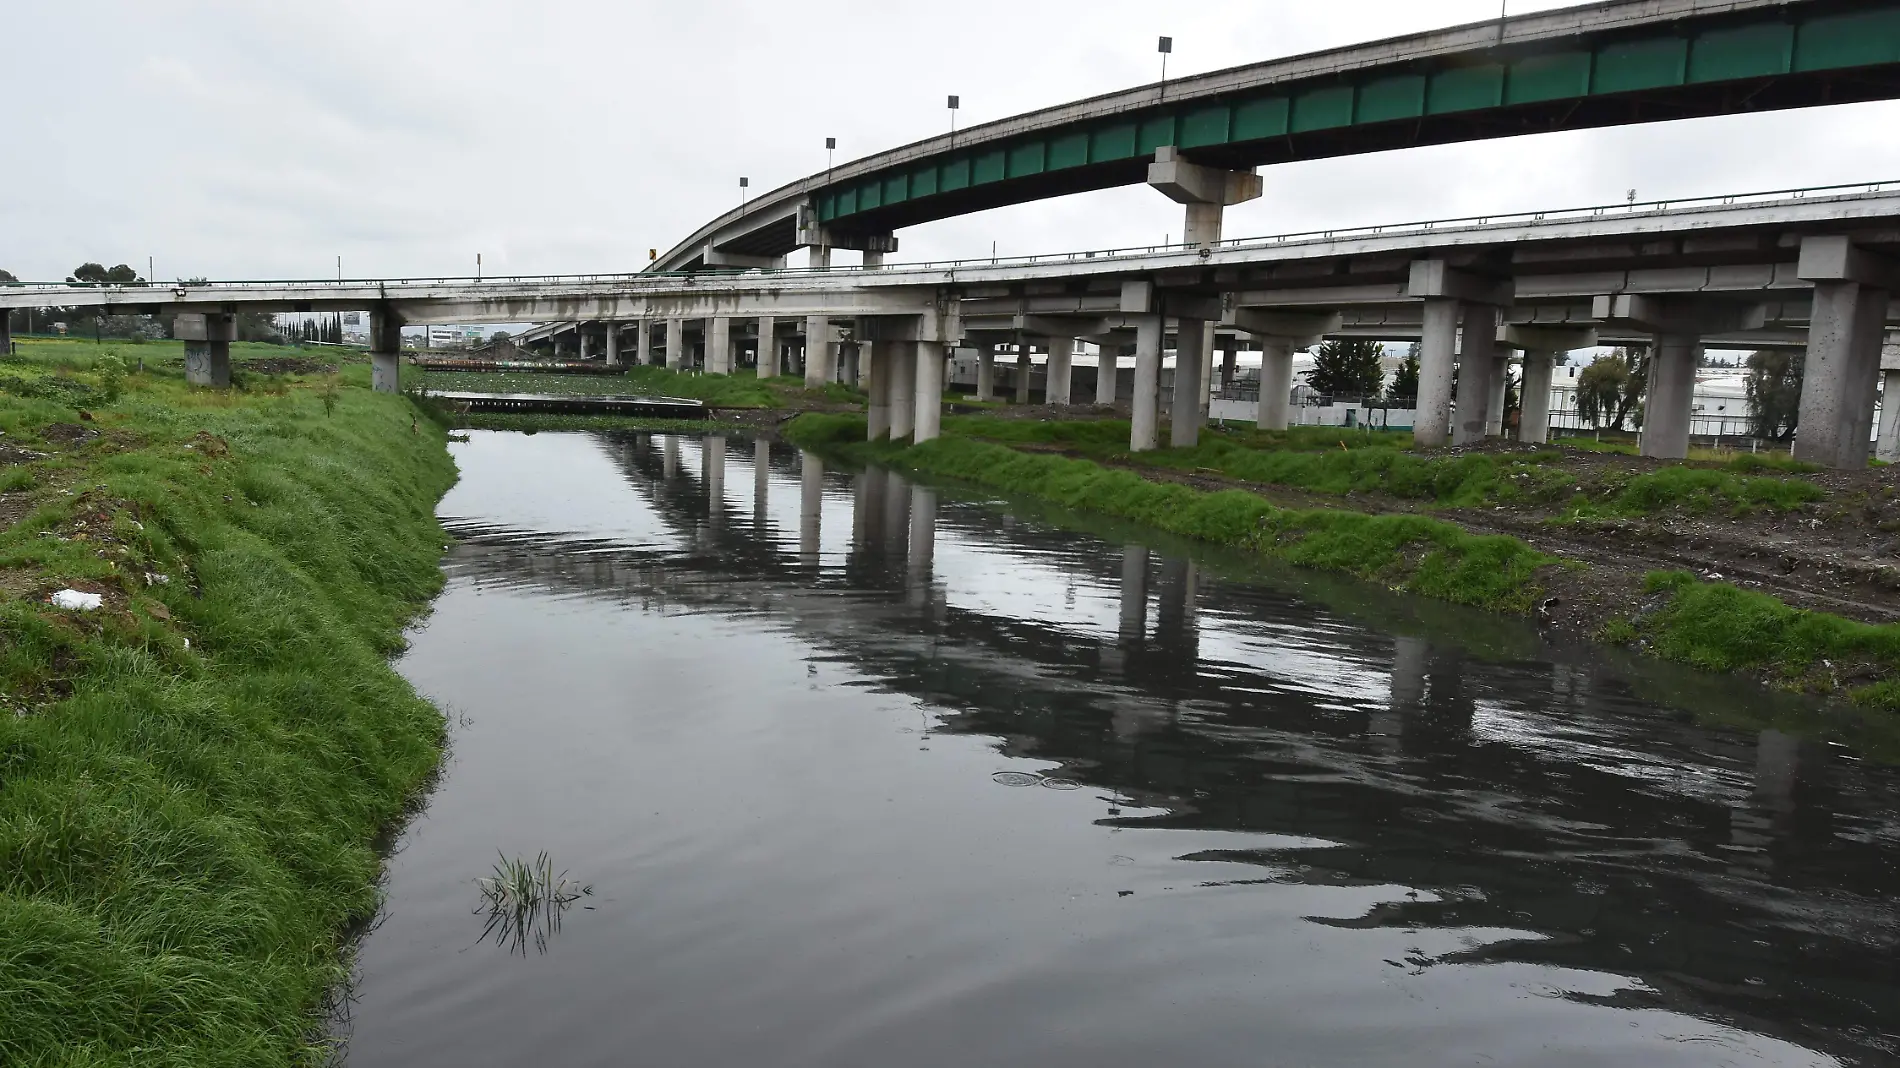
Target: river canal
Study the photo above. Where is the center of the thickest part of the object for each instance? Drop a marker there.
(865, 773)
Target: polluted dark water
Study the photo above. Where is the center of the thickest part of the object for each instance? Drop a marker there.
(834, 769)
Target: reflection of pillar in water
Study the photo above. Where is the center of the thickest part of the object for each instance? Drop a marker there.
(761, 479)
(895, 525)
(867, 512)
(811, 500)
(1410, 658)
(923, 543)
(1790, 783)
(1134, 619)
(713, 464)
(1176, 632)
(670, 464)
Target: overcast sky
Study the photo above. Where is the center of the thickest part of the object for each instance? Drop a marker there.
(263, 140)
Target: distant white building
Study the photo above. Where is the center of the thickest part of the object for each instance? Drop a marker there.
(1719, 408)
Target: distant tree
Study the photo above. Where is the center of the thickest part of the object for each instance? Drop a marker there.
(1611, 388)
(95, 275)
(1348, 368)
(499, 335)
(1404, 388)
(1774, 393)
(7, 276)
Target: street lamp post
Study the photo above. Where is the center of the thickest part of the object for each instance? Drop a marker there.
(1165, 48)
(956, 104)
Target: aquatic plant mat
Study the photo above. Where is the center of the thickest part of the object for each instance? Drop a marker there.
(194, 775)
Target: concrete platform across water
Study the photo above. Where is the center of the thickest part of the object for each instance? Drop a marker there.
(556, 404)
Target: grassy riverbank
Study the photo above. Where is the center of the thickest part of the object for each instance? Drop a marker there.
(193, 776)
(742, 390)
(1669, 613)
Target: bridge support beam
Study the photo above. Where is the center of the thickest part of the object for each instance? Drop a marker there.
(1533, 420)
(676, 344)
(1852, 288)
(1276, 384)
(986, 371)
(1106, 369)
(819, 349)
(1476, 369)
(1671, 402)
(903, 388)
(928, 415)
(1500, 395)
(1144, 429)
(207, 337)
(1056, 382)
(767, 359)
(1022, 368)
(877, 420)
(1191, 355)
(1205, 192)
(719, 346)
(613, 344)
(642, 342)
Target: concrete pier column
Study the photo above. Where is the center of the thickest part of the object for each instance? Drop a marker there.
(1230, 363)
(1843, 364)
(1134, 600)
(613, 344)
(1022, 368)
(878, 412)
(986, 371)
(385, 357)
(1478, 340)
(811, 504)
(819, 347)
(1276, 384)
(768, 347)
(819, 258)
(643, 342)
(927, 418)
(208, 336)
(1500, 384)
(1144, 430)
(1887, 449)
(676, 344)
(1107, 367)
(1056, 383)
(1190, 390)
(6, 332)
(719, 346)
(1533, 420)
(903, 389)
(873, 261)
(1671, 400)
(1438, 352)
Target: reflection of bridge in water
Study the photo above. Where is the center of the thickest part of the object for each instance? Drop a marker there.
(1538, 809)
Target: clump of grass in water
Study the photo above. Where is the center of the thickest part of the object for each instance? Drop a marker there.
(525, 901)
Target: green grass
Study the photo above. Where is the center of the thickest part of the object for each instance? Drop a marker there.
(193, 777)
(1342, 462)
(1415, 553)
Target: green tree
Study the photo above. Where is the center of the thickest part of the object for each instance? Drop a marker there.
(1404, 388)
(96, 275)
(1611, 388)
(1348, 368)
(1774, 393)
(7, 276)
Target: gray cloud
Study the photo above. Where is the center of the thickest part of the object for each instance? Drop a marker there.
(263, 140)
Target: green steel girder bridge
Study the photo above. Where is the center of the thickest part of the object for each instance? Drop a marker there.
(1603, 64)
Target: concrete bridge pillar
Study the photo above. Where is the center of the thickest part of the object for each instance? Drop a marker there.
(1276, 384)
(642, 342)
(767, 359)
(1671, 402)
(1056, 383)
(1106, 369)
(613, 344)
(903, 389)
(819, 349)
(928, 414)
(820, 258)
(1533, 422)
(6, 332)
(676, 344)
(878, 410)
(1852, 288)
(1500, 386)
(873, 260)
(986, 371)
(1144, 430)
(719, 345)
(1191, 356)
(1887, 449)
(850, 370)
(1438, 352)
(1022, 368)
(208, 336)
(1478, 343)
(811, 505)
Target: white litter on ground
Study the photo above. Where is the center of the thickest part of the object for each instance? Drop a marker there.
(77, 601)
